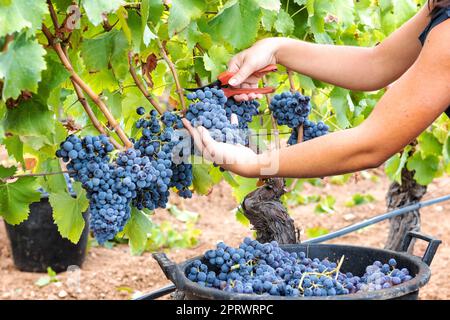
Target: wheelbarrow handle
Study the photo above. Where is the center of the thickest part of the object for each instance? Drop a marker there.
(432, 247)
(170, 268)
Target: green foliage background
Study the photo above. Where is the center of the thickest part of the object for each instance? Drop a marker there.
(38, 99)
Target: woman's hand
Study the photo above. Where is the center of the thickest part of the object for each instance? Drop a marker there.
(235, 158)
(245, 63)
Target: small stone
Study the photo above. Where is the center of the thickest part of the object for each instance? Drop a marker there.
(349, 217)
(62, 294)
(57, 284)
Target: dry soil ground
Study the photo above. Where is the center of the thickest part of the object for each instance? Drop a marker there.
(115, 274)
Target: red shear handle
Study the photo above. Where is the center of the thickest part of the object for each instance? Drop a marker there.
(230, 92)
(224, 77)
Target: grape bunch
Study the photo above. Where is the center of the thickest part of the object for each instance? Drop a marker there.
(207, 110)
(244, 110)
(182, 179)
(311, 130)
(158, 142)
(293, 110)
(140, 176)
(266, 269)
(109, 196)
(290, 109)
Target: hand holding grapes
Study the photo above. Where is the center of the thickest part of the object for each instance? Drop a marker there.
(232, 157)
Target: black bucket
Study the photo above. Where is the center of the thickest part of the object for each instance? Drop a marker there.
(36, 243)
(356, 260)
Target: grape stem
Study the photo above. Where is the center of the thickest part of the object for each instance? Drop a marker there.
(272, 118)
(91, 115)
(174, 74)
(291, 81)
(300, 128)
(9, 38)
(141, 86)
(53, 15)
(97, 124)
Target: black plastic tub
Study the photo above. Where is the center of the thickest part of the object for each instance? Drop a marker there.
(356, 260)
(36, 243)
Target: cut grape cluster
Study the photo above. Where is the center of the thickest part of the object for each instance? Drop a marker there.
(140, 176)
(207, 110)
(256, 268)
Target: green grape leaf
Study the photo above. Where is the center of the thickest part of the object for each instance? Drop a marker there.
(30, 118)
(237, 23)
(96, 9)
(137, 230)
(446, 150)
(107, 51)
(245, 186)
(14, 146)
(268, 19)
(316, 232)
(306, 82)
(51, 183)
(310, 7)
(241, 218)
(182, 12)
(284, 23)
(62, 4)
(7, 172)
(429, 144)
(16, 15)
(342, 9)
(137, 32)
(229, 178)
(21, 66)
(386, 5)
(114, 101)
(326, 205)
(395, 165)
(216, 59)
(52, 77)
(339, 101)
(182, 215)
(359, 199)
(68, 213)
(404, 10)
(425, 168)
(16, 197)
(151, 10)
(273, 5)
(202, 181)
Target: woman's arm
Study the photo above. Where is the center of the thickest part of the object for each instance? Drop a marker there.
(354, 68)
(408, 108)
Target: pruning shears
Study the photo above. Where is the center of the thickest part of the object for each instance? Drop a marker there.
(224, 78)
